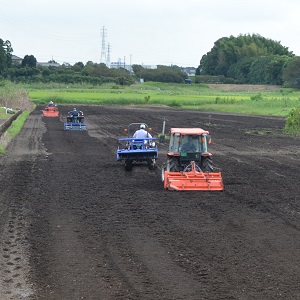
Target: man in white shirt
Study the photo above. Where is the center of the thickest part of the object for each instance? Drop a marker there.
(142, 133)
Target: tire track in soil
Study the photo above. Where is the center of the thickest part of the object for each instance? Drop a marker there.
(19, 182)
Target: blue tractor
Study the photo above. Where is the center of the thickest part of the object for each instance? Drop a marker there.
(138, 147)
(75, 121)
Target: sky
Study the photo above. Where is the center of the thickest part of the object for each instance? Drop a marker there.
(144, 32)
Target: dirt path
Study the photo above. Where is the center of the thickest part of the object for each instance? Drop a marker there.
(75, 225)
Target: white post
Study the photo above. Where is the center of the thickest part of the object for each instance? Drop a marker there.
(164, 126)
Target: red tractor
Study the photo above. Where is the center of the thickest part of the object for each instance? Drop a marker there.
(51, 110)
(189, 164)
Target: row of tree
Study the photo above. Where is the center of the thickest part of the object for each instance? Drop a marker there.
(247, 58)
(29, 71)
(251, 59)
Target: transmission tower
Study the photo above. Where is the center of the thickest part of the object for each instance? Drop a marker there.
(108, 56)
(103, 49)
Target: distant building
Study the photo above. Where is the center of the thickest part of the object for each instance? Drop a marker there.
(16, 60)
(47, 64)
(190, 71)
(149, 66)
(119, 64)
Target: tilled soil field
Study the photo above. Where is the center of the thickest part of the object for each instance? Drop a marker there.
(75, 225)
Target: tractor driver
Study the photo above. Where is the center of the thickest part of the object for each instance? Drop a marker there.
(73, 114)
(189, 146)
(142, 133)
(80, 117)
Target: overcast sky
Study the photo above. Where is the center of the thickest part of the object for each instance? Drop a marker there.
(149, 32)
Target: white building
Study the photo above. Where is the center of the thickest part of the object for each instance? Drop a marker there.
(119, 64)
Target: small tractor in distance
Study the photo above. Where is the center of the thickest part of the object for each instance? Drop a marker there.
(50, 111)
(75, 122)
(189, 164)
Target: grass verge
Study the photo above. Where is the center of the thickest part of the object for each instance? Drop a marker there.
(196, 97)
(13, 131)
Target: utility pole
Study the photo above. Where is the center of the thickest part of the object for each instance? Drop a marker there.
(130, 63)
(103, 49)
(108, 56)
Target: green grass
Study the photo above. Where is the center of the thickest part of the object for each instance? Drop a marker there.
(3, 114)
(198, 97)
(17, 125)
(15, 128)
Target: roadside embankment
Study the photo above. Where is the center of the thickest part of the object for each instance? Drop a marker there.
(5, 138)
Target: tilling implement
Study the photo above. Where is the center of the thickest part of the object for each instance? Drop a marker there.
(51, 111)
(189, 164)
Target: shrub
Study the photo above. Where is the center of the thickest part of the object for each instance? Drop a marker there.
(224, 100)
(258, 97)
(147, 99)
(174, 103)
(292, 124)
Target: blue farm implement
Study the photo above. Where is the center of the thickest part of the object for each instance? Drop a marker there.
(135, 151)
(75, 126)
(75, 123)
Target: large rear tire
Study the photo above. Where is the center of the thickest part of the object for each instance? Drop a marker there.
(206, 164)
(173, 165)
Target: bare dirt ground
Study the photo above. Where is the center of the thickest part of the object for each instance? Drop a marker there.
(75, 225)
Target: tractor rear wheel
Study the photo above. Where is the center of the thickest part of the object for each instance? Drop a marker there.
(173, 165)
(206, 164)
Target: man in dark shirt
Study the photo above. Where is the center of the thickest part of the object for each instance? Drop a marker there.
(72, 115)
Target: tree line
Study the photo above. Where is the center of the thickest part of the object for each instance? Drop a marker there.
(250, 59)
(93, 73)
